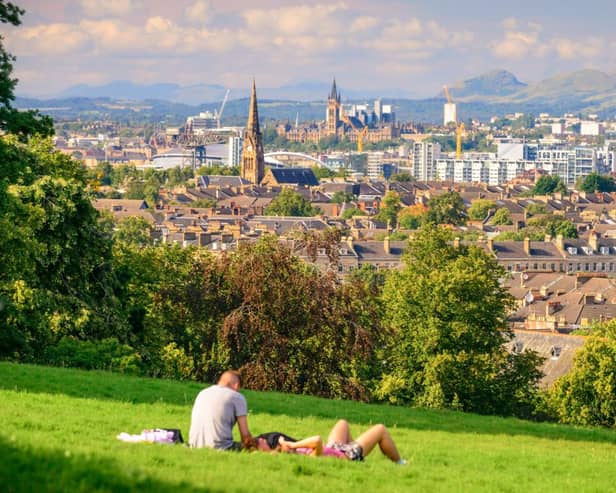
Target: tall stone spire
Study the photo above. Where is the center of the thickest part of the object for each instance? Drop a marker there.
(334, 92)
(332, 113)
(252, 167)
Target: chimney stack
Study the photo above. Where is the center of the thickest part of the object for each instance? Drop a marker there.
(527, 246)
(456, 242)
(593, 240)
(491, 245)
(560, 243)
(386, 245)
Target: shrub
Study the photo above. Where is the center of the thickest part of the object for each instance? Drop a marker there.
(106, 354)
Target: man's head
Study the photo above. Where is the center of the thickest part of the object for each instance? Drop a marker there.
(231, 379)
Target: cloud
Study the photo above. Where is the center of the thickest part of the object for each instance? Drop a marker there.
(108, 8)
(199, 13)
(49, 39)
(517, 43)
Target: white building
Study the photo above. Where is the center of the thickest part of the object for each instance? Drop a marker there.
(592, 128)
(449, 113)
(425, 155)
(235, 151)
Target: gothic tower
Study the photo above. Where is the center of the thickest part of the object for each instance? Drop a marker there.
(332, 117)
(253, 163)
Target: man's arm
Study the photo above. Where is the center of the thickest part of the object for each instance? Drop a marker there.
(242, 424)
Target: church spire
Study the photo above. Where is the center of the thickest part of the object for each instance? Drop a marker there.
(252, 166)
(334, 92)
(253, 112)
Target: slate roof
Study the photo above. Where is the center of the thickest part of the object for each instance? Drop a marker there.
(298, 176)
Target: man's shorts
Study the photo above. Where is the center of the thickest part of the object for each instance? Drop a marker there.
(352, 450)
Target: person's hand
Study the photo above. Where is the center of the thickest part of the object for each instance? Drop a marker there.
(284, 445)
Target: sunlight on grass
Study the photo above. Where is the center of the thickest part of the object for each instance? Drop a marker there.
(59, 429)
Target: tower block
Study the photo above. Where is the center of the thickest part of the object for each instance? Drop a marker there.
(252, 167)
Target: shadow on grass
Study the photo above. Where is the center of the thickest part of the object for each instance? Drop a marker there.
(109, 386)
(28, 470)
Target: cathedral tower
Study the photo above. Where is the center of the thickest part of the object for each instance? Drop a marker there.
(332, 117)
(252, 167)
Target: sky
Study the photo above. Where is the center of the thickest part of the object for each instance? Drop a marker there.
(403, 47)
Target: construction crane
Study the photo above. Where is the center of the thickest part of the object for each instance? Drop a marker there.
(222, 107)
(459, 126)
(360, 132)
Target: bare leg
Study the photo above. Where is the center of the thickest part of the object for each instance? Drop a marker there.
(379, 434)
(340, 432)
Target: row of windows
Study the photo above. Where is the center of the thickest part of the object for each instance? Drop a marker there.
(580, 267)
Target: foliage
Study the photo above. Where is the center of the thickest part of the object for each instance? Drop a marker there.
(402, 177)
(411, 217)
(447, 350)
(535, 208)
(548, 184)
(447, 208)
(389, 208)
(502, 217)
(587, 394)
(352, 211)
(340, 197)
(290, 203)
(219, 170)
(133, 230)
(553, 226)
(595, 182)
(480, 208)
(322, 172)
(56, 279)
(296, 330)
(106, 354)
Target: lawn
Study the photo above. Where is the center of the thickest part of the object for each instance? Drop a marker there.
(59, 430)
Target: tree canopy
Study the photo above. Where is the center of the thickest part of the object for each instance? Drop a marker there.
(548, 184)
(447, 309)
(290, 203)
(595, 182)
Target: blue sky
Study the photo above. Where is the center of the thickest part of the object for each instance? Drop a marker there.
(408, 48)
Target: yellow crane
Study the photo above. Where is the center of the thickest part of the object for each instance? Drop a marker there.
(360, 132)
(459, 126)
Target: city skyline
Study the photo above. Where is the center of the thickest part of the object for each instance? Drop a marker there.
(400, 47)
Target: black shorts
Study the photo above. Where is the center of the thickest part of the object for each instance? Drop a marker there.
(236, 447)
(352, 450)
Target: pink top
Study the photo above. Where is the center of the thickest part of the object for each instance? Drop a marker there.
(328, 451)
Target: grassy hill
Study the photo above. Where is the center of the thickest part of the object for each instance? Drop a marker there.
(59, 427)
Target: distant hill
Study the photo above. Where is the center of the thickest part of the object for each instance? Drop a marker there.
(495, 93)
(495, 83)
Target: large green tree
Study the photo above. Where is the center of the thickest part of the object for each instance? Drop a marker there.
(447, 208)
(595, 182)
(548, 184)
(55, 278)
(447, 309)
(587, 394)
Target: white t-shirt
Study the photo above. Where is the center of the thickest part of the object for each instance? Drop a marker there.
(213, 416)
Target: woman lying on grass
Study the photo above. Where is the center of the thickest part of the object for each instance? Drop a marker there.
(340, 443)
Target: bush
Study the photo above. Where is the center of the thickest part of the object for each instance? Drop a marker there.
(107, 354)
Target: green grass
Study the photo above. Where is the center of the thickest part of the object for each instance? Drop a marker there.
(59, 427)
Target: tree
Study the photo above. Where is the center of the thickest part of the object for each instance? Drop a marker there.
(480, 208)
(447, 309)
(548, 184)
(595, 182)
(502, 217)
(56, 277)
(553, 226)
(322, 172)
(587, 394)
(402, 177)
(20, 123)
(352, 211)
(411, 217)
(340, 197)
(294, 329)
(389, 208)
(447, 208)
(290, 203)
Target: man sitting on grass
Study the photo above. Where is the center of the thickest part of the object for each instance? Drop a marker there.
(215, 412)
